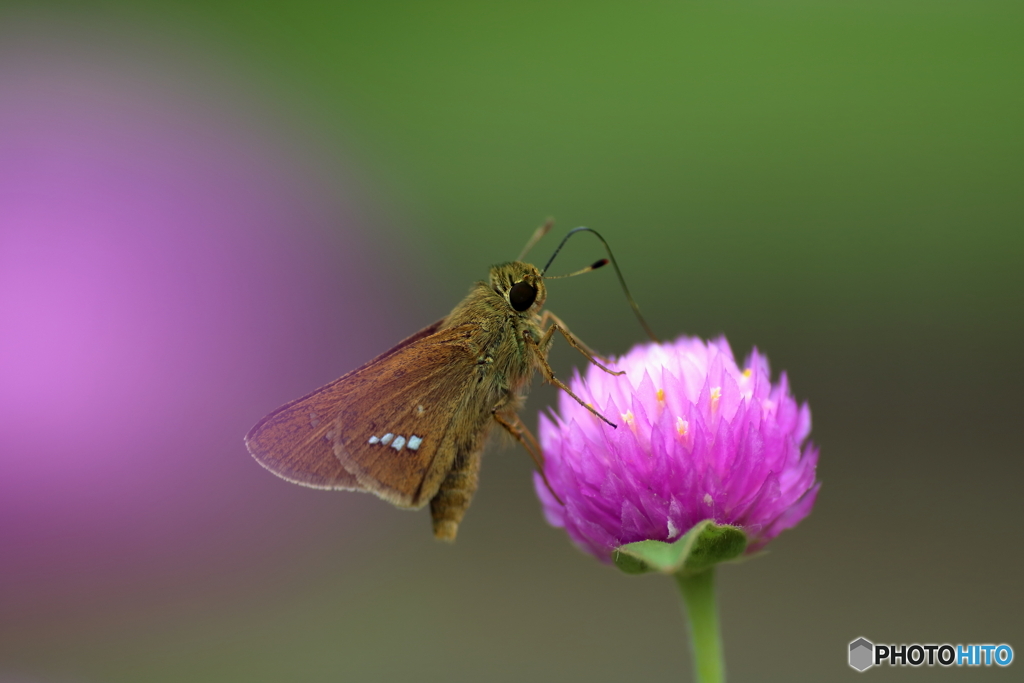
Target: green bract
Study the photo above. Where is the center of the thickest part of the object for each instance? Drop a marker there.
(700, 548)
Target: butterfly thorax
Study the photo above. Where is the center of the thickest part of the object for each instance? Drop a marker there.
(505, 361)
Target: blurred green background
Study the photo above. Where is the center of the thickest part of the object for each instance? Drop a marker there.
(841, 184)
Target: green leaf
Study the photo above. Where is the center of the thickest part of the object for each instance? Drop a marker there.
(700, 548)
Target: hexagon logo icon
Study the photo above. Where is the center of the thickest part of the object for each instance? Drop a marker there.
(862, 653)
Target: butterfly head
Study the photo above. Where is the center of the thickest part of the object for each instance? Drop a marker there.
(520, 284)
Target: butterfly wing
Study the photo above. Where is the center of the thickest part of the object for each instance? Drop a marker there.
(383, 427)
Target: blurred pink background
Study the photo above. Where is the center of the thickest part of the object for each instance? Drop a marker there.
(167, 276)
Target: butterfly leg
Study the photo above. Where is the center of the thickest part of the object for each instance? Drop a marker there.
(549, 374)
(449, 505)
(514, 426)
(558, 325)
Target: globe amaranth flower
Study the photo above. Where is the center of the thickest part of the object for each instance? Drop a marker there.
(698, 438)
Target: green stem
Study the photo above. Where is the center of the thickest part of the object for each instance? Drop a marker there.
(698, 592)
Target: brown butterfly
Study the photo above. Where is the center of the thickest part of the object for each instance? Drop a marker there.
(410, 425)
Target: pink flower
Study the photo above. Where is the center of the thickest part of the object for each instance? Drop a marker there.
(698, 438)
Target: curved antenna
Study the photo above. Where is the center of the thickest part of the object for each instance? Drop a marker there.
(622, 280)
(537, 234)
(592, 266)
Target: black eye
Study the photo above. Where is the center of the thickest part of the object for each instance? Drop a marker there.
(522, 295)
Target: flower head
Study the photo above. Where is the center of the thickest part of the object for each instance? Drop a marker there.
(698, 438)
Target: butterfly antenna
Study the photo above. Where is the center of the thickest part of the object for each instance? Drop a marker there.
(611, 256)
(537, 234)
(581, 271)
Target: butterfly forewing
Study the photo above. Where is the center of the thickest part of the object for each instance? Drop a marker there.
(394, 425)
(293, 442)
(382, 428)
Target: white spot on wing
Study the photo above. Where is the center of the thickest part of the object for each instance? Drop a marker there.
(414, 442)
(314, 420)
(329, 436)
(374, 439)
(419, 410)
(386, 439)
(399, 442)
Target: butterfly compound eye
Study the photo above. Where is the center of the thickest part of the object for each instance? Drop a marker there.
(522, 295)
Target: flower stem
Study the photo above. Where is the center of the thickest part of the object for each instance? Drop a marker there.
(698, 592)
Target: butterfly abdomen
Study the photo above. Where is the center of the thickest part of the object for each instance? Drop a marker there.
(448, 507)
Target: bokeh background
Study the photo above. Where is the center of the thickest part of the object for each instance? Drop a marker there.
(210, 208)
